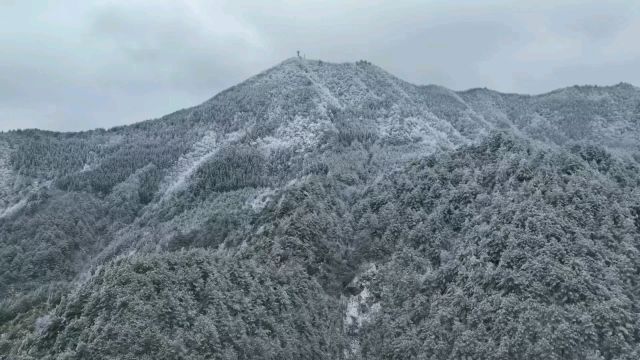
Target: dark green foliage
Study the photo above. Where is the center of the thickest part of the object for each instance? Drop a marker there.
(19, 315)
(49, 154)
(133, 154)
(48, 242)
(194, 305)
(232, 168)
(350, 130)
(316, 218)
(509, 252)
(495, 251)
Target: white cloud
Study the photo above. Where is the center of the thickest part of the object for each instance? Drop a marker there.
(69, 65)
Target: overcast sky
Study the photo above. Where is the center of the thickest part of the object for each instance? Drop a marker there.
(76, 65)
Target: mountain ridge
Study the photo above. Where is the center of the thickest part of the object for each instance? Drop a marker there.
(294, 60)
(323, 185)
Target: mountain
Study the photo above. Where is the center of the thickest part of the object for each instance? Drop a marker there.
(327, 211)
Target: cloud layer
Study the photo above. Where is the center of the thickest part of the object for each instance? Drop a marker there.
(69, 65)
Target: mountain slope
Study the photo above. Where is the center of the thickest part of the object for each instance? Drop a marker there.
(355, 200)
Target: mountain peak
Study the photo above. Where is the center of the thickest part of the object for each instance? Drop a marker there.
(326, 71)
(334, 192)
(298, 81)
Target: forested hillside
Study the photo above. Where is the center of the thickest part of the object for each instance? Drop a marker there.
(327, 211)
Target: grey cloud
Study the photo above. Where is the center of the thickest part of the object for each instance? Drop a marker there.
(80, 65)
(170, 51)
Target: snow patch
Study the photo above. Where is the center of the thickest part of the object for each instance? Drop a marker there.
(13, 208)
(360, 309)
(260, 200)
(268, 144)
(302, 132)
(189, 163)
(413, 129)
(326, 97)
(42, 324)
(202, 151)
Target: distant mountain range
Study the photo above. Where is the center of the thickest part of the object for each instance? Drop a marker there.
(327, 211)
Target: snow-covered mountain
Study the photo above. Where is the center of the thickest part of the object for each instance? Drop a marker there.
(288, 179)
